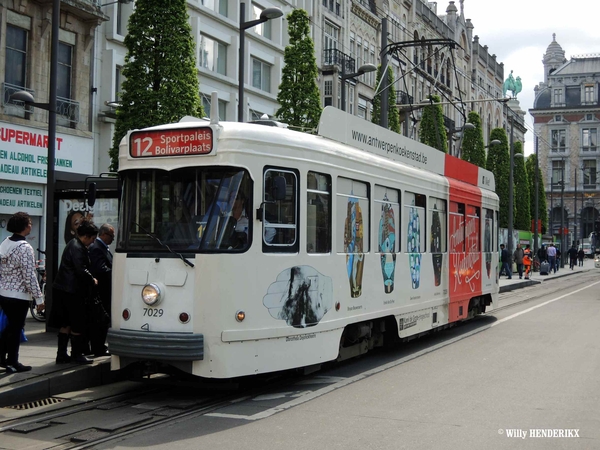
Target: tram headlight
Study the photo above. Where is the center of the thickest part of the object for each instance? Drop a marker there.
(152, 294)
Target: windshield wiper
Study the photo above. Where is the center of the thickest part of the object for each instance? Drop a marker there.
(164, 245)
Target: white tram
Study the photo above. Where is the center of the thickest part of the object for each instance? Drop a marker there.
(245, 249)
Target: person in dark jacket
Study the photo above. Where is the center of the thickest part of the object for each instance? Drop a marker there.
(580, 256)
(572, 257)
(101, 259)
(506, 260)
(72, 287)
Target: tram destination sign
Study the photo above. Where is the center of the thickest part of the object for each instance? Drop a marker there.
(171, 142)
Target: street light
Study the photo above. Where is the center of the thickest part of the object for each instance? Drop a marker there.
(365, 68)
(461, 130)
(27, 98)
(266, 14)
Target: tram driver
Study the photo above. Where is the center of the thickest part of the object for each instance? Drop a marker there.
(239, 213)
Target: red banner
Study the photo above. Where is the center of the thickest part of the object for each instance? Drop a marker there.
(181, 142)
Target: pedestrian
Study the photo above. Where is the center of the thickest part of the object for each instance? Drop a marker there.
(551, 252)
(101, 259)
(505, 260)
(558, 256)
(18, 285)
(527, 261)
(572, 257)
(518, 258)
(580, 256)
(542, 254)
(72, 287)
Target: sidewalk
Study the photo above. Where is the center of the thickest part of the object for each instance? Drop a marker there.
(48, 379)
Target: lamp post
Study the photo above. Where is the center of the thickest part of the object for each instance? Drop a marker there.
(365, 68)
(536, 203)
(562, 217)
(27, 98)
(510, 185)
(465, 127)
(266, 14)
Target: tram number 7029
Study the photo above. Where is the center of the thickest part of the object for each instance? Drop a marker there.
(151, 312)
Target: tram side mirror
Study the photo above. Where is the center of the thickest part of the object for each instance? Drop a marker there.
(279, 188)
(91, 194)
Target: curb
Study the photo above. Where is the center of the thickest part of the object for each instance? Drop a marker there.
(42, 387)
(519, 285)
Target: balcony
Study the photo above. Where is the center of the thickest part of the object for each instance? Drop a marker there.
(333, 57)
(402, 98)
(83, 9)
(15, 108)
(449, 123)
(67, 111)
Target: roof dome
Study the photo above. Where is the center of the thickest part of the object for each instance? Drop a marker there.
(554, 51)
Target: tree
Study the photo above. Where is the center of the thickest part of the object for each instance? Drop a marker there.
(498, 162)
(432, 131)
(161, 79)
(521, 190)
(299, 95)
(542, 206)
(473, 148)
(386, 87)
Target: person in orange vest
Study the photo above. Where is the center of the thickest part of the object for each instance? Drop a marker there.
(527, 261)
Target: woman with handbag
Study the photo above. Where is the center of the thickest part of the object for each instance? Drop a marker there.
(72, 286)
(18, 284)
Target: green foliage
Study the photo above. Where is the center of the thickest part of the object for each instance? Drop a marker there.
(542, 206)
(498, 162)
(393, 114)
(161, 79)
(521, 191)
(432, 131)
(473, 148)
(299, 95)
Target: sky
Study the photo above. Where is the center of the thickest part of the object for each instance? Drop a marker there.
(521, 31)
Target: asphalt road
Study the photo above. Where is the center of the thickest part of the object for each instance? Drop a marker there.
(529, 370)
(522, 377)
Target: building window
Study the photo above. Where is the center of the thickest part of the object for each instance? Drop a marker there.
(589, 173)
(350, 105)
(559, 139)
(362, 108)
(558, 172)
(206, 106)
(15, 69)
(219, 6)
(331, 35)
(261, 75)
(558, 96)
(264, 29)
(589, 139)
(65, 70)
(328, 93)
(213, 55)
(588, 94)
(118, 82)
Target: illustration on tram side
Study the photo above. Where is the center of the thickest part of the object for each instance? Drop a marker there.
(414, 246)
(353, 244)
(387, 245)
(301, 296)
(436, 246)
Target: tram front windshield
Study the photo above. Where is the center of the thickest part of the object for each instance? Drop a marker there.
(187, 210)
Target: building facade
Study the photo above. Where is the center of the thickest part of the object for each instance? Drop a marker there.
(566, 114)
(25, 34)
(345, 32)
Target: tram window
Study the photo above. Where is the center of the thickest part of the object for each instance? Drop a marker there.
(488, 235)
(457, 227)
(318, 213)
(438, 230)
(473, 230)
(188, 209)
(352, 216)
(387, 230)
(280, 206)
(415, 222)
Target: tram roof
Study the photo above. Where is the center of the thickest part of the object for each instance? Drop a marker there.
(342, 128)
